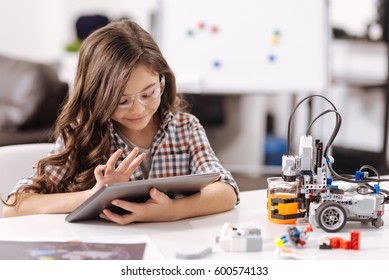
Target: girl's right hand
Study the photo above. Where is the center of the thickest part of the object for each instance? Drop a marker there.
(107, 173)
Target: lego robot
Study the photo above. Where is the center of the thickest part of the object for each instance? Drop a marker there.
(323, 203)
(326, 205)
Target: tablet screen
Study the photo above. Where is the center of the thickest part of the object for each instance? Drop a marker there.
(138, 191)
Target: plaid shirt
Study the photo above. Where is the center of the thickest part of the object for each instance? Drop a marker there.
(180, 147)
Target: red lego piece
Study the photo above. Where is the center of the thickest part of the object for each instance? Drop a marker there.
(335, 242)
(355, 240)
(308, 228)
(344, 244)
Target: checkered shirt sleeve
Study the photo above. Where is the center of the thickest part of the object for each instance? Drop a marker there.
(55, 173)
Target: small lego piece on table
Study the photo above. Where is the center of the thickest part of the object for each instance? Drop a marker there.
(326, 242)
(240, 239)
(297, 237)
(355, 240)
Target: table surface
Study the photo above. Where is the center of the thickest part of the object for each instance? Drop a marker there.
(196, 234)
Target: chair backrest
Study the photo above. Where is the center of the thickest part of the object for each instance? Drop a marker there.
(16, 162)
(31, 95)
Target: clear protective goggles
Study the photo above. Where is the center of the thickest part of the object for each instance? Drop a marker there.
(145, 98)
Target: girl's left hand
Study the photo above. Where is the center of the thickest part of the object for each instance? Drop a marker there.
(158, 208)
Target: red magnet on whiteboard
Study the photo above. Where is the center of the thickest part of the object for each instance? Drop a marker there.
(201, 25)
(214, 29)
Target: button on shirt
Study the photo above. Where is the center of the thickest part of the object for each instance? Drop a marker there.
(180, 147)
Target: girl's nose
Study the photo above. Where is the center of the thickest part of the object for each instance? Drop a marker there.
(137, 106)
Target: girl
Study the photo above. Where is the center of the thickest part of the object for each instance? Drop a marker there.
(123, 121)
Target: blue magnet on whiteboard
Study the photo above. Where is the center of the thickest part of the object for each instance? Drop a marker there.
(271, 58)
(216, 64)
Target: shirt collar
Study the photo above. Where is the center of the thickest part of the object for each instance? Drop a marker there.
(167, 117)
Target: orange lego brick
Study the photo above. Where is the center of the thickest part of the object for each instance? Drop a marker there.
(345, 244)
(335, 242)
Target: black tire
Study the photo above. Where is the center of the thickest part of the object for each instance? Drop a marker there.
(379, 222)
(331, 216)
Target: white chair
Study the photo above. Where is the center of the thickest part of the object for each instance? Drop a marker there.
(16, 162)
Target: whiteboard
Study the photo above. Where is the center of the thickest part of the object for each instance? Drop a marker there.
(245, 46)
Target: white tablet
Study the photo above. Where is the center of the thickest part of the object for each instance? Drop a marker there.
(138, 191)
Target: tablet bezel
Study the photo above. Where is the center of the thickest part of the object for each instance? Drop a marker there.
(175, 186)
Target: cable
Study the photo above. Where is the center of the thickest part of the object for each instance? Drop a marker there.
(383, 192)
(335, 131)
(351, 178)
(369, 167)
(368, 189)
(320, 115)
(294, 111)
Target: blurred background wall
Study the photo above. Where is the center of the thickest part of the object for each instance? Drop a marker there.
(42, 30)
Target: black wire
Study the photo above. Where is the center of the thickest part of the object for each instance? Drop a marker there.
(295, 109)
(383, 192)
(366, 186)
(335, 131)
(320, 115)
(369, 167)
(351, 178)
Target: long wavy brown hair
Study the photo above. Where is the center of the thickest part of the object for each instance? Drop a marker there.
(106, 61)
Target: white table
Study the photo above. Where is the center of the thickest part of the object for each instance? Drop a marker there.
(195, 234)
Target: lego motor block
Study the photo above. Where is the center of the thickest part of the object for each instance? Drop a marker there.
(233, 239)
